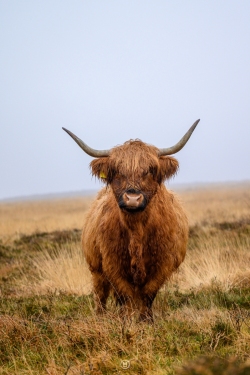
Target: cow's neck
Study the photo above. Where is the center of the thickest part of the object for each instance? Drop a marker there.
(134, 221)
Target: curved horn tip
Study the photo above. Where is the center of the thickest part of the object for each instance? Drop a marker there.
(90, 151)
(195, 124)
(66, 130)
(174, 149)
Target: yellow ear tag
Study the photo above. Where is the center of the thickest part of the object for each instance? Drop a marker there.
(102, 175)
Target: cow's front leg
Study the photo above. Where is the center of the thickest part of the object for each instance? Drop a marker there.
(148, 294)
(146, 313)
(150, 289)
(127, 306)
(124, 294)
(101, 291)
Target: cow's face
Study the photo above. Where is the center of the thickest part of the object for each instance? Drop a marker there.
(134, 171)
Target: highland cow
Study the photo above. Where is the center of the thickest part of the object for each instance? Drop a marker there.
(136, 231)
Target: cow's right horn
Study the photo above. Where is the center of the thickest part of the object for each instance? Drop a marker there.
(172, 150)
(90, 151)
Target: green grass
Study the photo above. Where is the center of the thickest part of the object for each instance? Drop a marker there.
(63, 329)
(204, 330)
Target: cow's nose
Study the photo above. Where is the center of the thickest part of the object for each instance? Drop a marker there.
(133, 200)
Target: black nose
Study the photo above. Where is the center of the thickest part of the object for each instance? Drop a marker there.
(132, 191)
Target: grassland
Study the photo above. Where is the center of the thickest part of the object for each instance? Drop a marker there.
(202, 316)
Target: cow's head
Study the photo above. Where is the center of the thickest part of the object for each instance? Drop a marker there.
(134, 170)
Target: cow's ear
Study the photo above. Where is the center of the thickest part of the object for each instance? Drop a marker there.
(168, 167)
(100, 169)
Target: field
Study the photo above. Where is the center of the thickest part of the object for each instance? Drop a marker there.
(202, 316)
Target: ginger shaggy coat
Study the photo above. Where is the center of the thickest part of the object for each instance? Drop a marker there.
(136, 231)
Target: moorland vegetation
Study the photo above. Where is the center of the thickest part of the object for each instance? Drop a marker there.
(202, 315)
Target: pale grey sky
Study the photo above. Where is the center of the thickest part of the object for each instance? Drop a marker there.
(114, 70)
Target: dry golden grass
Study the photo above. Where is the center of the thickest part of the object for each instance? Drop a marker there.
(41, 216)
(63, 270)
(217, 203)
(218, 260)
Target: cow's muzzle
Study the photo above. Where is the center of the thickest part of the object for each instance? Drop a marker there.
(132, 200)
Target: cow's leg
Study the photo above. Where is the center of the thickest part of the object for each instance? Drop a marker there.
(148, 295)
(101, 291)
(150, 289)
(146, 313)
(127, 307)
(125, 298)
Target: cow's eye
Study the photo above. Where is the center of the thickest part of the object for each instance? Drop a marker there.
(151, 172)
(118, 178)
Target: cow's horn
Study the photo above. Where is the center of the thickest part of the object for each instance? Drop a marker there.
(90, 151)
(174, 149)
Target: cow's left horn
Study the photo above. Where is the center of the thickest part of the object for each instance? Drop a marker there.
(174, 149)
(90, 151)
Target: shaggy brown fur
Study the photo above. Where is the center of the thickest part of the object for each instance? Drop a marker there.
(132, 252)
